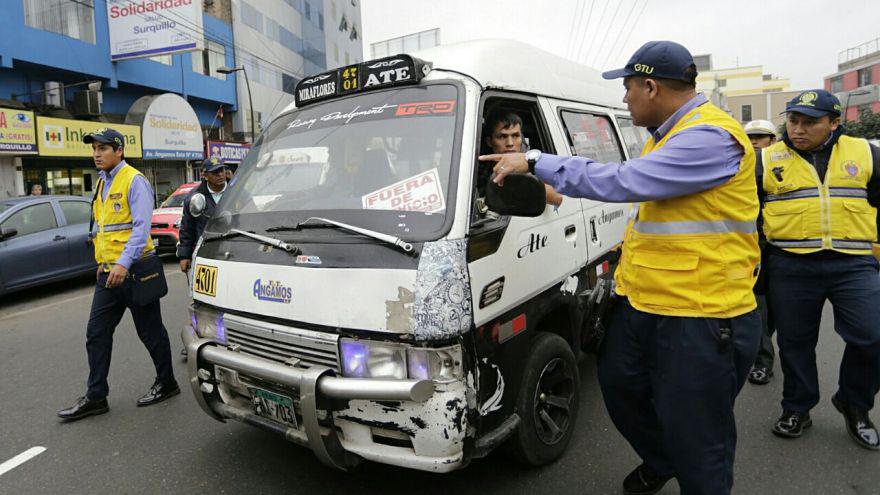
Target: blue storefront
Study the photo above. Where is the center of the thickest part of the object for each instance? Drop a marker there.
(50, 50)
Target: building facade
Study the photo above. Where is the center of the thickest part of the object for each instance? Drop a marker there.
(763, 106)
(56, 72)
(721, 84)
(857, 80)
(279, 42)
(406, 44)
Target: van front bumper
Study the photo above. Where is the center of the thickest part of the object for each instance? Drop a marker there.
(318, 389)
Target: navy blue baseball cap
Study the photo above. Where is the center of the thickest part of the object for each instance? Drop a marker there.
(213, 164)
(106, 136)
(661, 59)
(814, 103)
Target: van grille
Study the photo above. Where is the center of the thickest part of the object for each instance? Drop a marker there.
(280, 343)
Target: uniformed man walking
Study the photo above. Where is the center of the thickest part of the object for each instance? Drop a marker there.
(685, 333)
(820, 189)
(762, 134)
(122, 209)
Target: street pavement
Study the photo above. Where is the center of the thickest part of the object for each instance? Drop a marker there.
(173, 447)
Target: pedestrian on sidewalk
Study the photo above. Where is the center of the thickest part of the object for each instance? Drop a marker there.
(129, 276)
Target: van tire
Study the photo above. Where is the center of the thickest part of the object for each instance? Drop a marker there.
(550, 372)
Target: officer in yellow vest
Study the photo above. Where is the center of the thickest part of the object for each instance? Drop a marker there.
(122, 209)
(820, 190)
(685, 333)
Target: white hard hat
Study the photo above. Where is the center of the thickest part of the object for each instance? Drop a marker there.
(760, 127)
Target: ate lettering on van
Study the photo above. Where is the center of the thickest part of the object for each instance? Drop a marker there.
(536, 242)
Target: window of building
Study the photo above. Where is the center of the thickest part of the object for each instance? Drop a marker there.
(403, 44)
(722, 83)
(865, 76)
(32, 219)
(746, 111)
(252, 17)
(320, 21)
(290, 41)
(837, 84)
(73, 19)
(163, 59)
(592, 136)
(273, 30)
(308, 9)
(296, 4)
(210, 59)
(288, 83)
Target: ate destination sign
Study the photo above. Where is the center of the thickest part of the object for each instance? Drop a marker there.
(374, 74)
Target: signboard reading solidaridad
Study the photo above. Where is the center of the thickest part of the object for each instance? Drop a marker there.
(380, 73)
(146, 28)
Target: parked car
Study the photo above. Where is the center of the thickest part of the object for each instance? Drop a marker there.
(43, 239)
(165, 229)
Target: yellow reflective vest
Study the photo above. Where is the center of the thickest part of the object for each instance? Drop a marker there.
(113, 217)
(696, 255)
(803, 214)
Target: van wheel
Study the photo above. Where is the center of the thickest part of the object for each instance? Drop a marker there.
(547, 402)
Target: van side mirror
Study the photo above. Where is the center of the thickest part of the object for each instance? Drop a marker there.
(7, 232)
(197, 204)
(522, 195)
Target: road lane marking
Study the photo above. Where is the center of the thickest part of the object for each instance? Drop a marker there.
(20, 459)
(65, 301)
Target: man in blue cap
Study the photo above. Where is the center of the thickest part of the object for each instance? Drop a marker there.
(820, 193)
(129, 276)
(685, 330)
(212, 188)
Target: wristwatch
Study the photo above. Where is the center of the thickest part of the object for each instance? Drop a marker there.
(532, 156)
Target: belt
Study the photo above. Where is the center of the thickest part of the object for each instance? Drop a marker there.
(106, 267)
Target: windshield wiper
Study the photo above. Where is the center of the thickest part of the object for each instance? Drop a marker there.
(326, 223)
(271, 241)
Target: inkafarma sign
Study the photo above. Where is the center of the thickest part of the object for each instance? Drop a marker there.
(169, 126)
(146, 28)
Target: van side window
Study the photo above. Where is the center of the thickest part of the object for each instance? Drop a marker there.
(633, 137)
(592, 136)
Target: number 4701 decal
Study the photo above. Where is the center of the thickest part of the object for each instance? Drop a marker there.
(205, 281)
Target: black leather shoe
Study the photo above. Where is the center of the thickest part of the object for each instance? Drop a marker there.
(84, 407)
(760, 376)
(158, 392)
(792, 424)
(644, 481)
(859, 425)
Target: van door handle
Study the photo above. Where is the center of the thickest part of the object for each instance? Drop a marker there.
(594, 235)
(59, 238)
(570, 233)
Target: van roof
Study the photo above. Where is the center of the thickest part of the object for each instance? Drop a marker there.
(516, 66)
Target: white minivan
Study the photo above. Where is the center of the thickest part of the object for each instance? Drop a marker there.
(356, 293)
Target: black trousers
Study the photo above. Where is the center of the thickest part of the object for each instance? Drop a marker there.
(798, 289)
(766, 353)
(108, 306)
(670, 383)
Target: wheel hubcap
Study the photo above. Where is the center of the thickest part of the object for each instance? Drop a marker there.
(553, 401)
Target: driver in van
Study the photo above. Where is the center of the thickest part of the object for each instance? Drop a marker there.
(503, 133)
(685, 330)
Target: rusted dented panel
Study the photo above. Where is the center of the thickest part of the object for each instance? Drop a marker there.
(436, 428)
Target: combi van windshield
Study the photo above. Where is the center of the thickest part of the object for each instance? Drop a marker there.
(379, 160)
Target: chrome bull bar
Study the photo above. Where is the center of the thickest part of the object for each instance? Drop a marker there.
(312, 383)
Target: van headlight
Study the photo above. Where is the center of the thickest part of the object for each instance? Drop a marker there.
(366, 359)
(208, 324)
(369, 359)
(441, 364)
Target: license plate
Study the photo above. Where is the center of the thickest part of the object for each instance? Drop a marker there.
(273, 406)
